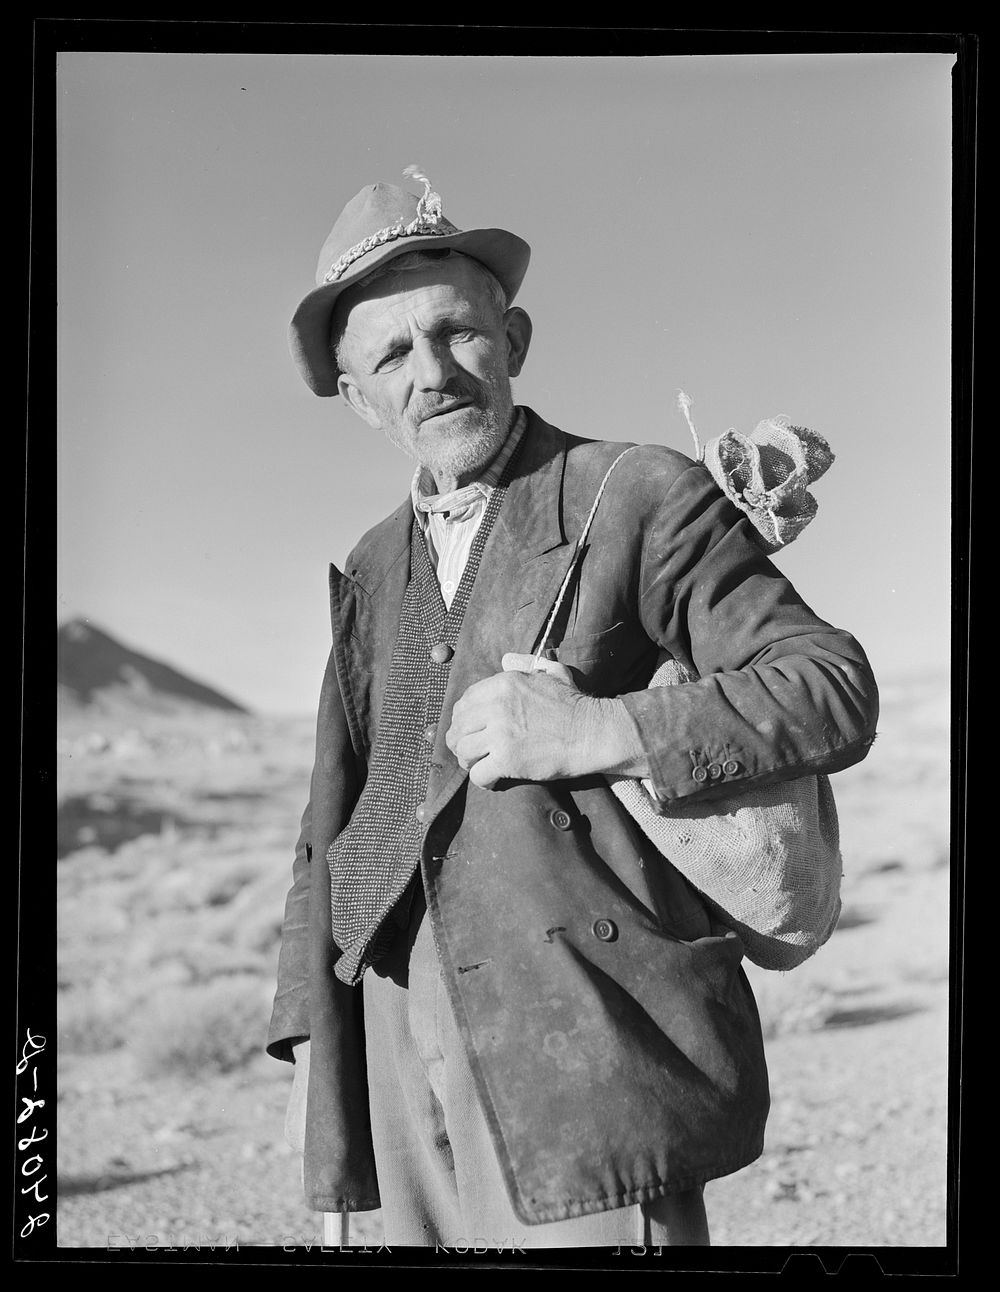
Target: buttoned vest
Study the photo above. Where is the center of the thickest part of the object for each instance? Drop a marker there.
(374, 859)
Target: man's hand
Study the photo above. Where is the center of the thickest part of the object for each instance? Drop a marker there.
(525, 726)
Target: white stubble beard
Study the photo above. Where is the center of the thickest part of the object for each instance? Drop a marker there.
(467, 442)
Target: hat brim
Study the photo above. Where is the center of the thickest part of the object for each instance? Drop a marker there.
(504, 254)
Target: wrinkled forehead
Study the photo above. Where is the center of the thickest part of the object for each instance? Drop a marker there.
(418, 298)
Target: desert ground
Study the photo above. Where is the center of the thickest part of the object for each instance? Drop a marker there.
(175, 842)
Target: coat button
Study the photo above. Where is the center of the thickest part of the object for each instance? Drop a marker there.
(423, 813)
(560, 819)
(605, 930)
(700, 774)
(441, 652)
(730, 767)
(429, 733)
(714, 771)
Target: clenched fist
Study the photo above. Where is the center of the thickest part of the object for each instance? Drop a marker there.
(538, 726)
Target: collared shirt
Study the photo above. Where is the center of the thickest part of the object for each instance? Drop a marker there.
(450, 520)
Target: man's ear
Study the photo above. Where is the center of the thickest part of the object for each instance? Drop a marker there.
(517, 326)
(354, 398)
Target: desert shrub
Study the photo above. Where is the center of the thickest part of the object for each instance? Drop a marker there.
(261, 931)
(88, 1023)
(253, 919)
(202, 961)
(217, 1026)
(228, 880)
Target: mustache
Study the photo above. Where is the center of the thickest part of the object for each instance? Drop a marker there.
(445, 400)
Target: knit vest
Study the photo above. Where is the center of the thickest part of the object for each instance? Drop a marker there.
(373, 860)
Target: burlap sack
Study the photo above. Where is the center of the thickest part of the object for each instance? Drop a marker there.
(767, 860)
(767, 475)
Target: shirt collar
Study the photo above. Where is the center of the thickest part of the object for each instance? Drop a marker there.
(424, 502)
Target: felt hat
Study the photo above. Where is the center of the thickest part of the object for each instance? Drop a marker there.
(380, 222)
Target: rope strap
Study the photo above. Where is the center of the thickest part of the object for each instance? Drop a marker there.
(536, 659)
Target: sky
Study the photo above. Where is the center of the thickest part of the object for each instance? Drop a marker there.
(770, 234)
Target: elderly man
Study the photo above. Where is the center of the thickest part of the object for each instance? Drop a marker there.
(510, 1016)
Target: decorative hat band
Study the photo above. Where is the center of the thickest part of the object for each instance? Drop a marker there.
(428, 220)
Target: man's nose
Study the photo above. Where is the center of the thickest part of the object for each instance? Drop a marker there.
(433, 366)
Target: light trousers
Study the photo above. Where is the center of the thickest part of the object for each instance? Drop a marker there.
(438, 1174)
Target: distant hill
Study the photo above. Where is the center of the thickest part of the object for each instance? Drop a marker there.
(98, 672)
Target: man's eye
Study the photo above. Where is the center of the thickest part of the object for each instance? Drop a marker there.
(393, 357)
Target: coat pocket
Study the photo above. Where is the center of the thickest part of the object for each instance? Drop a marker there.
(600, 661)
(584, 647)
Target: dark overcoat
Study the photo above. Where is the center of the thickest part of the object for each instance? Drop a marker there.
(611, 1030)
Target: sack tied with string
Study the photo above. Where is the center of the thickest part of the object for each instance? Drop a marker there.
(767, 860)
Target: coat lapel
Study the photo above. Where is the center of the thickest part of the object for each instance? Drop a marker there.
(365, 605)
(379, 556)
(527, 553)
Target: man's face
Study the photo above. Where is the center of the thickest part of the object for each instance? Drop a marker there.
(429, 361)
